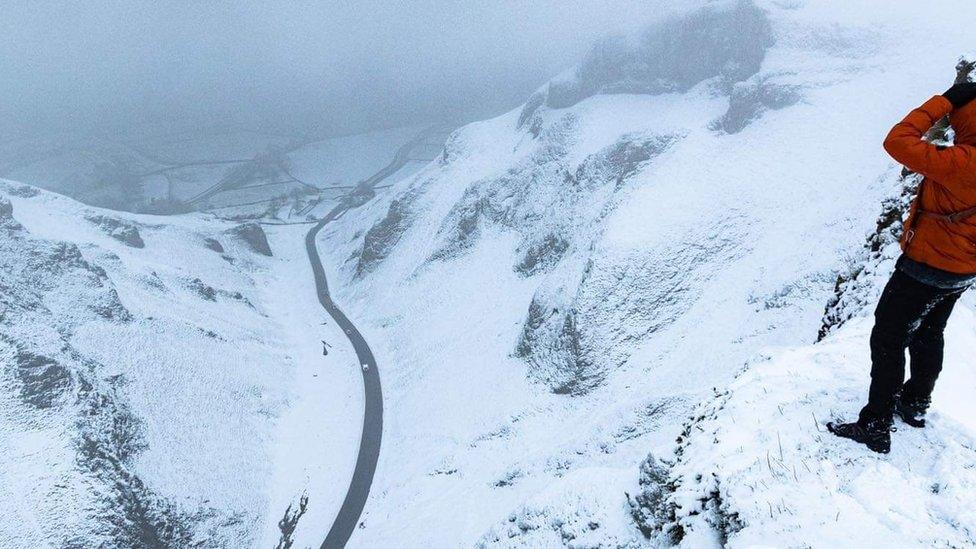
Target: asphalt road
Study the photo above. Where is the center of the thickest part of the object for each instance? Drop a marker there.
(369, 445)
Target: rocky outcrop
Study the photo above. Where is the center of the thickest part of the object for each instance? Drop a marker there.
(557, 209)
(126, 232)
(7, 221)
(750, 99)
(43, 382)
(724, 40)
(542, 255)
(252, 235)
(213, 244)
(382, 237)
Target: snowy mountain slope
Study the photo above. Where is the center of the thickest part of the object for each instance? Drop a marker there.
(756, 464)
(558, 290)
(150, 384)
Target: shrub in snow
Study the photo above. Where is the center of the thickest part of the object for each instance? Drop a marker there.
(580, 510)
(756, 466)
(649, 507)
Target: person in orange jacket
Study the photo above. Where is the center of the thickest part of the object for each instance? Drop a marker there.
(938, 264)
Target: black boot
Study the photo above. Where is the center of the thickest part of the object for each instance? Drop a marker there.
(873, 433)
(911, 410)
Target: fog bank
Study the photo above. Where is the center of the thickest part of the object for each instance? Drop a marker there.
(298, 67)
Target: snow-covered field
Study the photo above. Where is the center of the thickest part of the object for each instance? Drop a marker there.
(594, 319)
(134, 173)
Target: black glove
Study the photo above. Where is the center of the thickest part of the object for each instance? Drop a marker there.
(961, 94)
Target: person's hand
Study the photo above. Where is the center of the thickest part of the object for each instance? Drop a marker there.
(961, 94)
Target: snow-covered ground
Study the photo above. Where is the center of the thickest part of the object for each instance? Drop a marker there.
(757, 467)
(594, 319)
(164, 382)
(552, 299)
(133, 172)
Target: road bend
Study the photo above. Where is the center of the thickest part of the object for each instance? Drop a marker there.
(369, 444)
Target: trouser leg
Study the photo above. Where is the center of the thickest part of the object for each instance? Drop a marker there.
(904, 304)
(926, 349)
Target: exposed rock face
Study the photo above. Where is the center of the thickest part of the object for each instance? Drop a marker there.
(382, 237)
(557, 206)
(206, 292)
(7, 220)
(726, 40)
(861, 284)
(48, 291)
(515, 199)
(253, 235)
(214, 244)
(22, 191)
(6, 209)
(542, 256)
(43, 381)
(124, 231)
(752, 98)
(583, 316)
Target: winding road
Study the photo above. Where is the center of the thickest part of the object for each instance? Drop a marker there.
(369, 445)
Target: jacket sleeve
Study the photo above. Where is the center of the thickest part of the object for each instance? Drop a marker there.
(905, 144)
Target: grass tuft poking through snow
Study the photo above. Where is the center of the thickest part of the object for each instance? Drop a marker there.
(756, 463)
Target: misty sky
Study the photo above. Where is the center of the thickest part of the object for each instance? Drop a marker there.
(325, 67)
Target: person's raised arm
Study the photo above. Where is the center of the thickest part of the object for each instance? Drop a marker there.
(905, 144)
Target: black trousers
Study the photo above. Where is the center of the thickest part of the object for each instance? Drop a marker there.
(913, 315)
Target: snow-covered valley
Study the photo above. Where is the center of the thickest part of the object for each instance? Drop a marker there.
(165, 384)
(595, 318)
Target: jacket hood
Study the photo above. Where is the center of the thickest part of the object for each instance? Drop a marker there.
(964, 124)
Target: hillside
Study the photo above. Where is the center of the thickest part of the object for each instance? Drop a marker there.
(618, 315)
(162, 380)
(561, 289)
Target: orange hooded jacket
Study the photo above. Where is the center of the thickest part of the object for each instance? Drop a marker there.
(931, 236)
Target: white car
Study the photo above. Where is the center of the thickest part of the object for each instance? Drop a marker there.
(365, 367)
